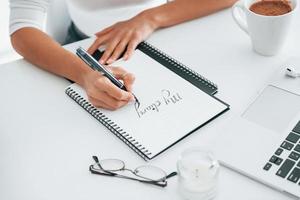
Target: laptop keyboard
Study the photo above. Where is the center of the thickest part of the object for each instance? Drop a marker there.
(289, 165)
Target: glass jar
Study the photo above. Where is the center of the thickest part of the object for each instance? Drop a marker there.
(197, 174)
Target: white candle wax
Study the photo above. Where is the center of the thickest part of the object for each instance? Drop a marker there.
(197, 175)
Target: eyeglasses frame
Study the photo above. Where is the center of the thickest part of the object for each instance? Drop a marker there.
(161, 182)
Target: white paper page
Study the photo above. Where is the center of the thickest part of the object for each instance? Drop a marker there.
(170, 107)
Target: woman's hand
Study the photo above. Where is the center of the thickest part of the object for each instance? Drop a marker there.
(103, 93)
(123, 37)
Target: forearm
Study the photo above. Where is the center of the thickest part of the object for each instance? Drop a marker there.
(179, 11)
(39, 49)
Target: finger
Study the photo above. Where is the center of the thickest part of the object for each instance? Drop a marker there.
(100, 104)
(120, 73)
(109, 49)
(120, 48)
(96, 44)
(97, 103)
(118, 104)
(128, 81)
(104, 31)
(107, 86)
(131, 48)
(117, 71)
(106, 100)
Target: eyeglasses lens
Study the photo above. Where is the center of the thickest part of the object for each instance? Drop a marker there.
(151, 173)
(110, 165)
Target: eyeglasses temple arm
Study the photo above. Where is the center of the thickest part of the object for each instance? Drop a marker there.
(100, 173)
(164, 184)
(171, 175)
(107, 173)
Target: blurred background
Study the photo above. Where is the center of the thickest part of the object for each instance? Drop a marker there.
(57, 25)
(6, 52)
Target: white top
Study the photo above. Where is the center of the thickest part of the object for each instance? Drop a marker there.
(33, 13)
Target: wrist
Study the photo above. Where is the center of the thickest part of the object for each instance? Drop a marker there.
(150, 18)
(80, 72)
(84, 73)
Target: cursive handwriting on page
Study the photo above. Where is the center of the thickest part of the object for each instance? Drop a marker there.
(166, 98)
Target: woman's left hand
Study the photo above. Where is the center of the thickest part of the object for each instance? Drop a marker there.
(122, 37)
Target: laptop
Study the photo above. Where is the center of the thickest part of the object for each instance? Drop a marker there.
(263, 142)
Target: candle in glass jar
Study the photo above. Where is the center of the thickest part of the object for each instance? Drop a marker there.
(198, 173)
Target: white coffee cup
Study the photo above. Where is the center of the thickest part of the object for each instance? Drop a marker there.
(267, 33)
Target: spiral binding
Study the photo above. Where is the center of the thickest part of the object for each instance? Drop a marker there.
(195, 75)
(109, 124)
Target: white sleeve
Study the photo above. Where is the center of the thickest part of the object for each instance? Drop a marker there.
(27, 13)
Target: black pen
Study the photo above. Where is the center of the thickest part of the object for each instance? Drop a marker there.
(95, 65)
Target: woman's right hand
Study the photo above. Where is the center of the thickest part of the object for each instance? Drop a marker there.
(102, 93)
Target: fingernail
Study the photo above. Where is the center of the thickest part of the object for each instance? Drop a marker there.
(102, 61)
(125, 57)
(110, 61)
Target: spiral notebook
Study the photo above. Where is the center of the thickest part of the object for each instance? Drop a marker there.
(175, 101)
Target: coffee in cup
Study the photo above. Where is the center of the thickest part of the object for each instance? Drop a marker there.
(267, 22)
(271, 7)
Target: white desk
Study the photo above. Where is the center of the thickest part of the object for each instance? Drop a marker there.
(46, 140)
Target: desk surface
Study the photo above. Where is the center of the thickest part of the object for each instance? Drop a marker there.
(46, 140)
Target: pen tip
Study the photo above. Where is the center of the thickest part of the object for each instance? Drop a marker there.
(137, 102)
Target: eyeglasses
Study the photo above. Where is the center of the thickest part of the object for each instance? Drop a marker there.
(146, 174)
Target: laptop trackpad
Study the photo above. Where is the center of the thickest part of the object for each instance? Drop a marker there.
(274, 109)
